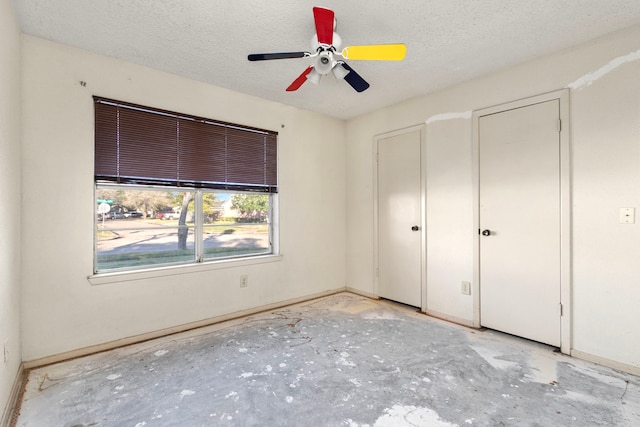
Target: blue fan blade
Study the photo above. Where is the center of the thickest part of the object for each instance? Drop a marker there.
(277, 55)
(354, 79)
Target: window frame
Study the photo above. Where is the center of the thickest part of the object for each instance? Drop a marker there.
(198, 230)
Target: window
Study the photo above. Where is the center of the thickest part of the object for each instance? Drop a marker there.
(175, 189)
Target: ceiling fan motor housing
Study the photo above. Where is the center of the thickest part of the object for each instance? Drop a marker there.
(325, 60)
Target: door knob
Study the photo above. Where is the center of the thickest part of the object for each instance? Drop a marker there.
(415, 228)
(486, 232)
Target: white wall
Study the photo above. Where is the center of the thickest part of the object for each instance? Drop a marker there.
(605, 127)
(10, 205)
(62, 311)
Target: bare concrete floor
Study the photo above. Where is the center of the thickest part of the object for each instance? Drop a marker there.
(343, 360)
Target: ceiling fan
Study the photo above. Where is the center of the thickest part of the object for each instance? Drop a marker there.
(328, 56)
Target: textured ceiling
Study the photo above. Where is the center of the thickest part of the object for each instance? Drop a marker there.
(448, 41)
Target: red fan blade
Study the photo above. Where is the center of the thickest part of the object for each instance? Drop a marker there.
(300, 80)
(324, 25)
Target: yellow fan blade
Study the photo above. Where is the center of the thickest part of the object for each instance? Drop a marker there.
(373, 52)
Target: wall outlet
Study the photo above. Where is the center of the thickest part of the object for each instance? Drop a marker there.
(244, 281)
(627, 215)
(465, 288)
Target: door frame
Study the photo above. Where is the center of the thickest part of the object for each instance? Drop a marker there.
(423, 197)
(565, 207)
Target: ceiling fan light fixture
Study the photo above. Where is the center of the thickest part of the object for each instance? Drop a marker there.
(339, 72)
(314, 76)
(325, 62)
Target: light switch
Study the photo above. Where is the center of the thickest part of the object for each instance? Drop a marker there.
(627, 215)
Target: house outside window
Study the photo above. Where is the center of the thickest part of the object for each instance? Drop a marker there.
(173, 189)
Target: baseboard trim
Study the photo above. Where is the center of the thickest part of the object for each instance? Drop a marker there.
(452, 319)
(123, 342)
(634, 370)
(361, 293)
(11, 411)
(431, 313)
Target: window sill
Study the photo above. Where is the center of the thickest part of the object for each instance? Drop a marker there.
(174, 270)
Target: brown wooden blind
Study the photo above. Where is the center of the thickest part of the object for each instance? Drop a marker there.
(142, 145)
